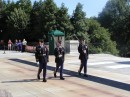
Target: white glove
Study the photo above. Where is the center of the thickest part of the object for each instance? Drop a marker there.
(85, 51)
(37, 63)
(60, 56)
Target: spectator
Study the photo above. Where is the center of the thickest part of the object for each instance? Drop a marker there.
(1, 44)
(24, 45)
(9, 45)
(16, 45)
(20, 45)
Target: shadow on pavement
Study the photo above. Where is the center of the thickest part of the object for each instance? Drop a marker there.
(100, 80)
(124, 62)
(24, 80)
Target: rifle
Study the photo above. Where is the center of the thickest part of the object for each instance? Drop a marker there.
(76, 36)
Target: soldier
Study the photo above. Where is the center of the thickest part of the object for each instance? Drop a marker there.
(59, 53)
(83, 50)
(41, 56)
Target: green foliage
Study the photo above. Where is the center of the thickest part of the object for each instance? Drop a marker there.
(100, 39)
(24, 5)
(78, 21)
(0, 3)
(63, 22)
(22, 20)
(35, 20)
(48, 16)
(18, 19)
(18, 22)
(116, 17)
(6, 7)
(1, 7)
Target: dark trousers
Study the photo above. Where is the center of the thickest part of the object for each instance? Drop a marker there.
(83, 64)
(23, 48)
(20, 48)
(59, 64)
(44, 71)
(16, 48)
(0, 47)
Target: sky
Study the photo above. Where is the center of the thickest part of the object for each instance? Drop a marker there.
(90, 7)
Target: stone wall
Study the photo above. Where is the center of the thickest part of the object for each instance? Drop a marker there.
(71, 46)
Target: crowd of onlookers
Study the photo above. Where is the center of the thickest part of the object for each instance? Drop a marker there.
(18, 45)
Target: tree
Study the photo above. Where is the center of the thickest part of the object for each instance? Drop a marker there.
(5, 11)
(35, 20)
(115, 17)
(79, 22)
(24, 5)
(19, 20)
(48, 17)
(100, 40)
(63, 21)
(0, 3)
(1, 6)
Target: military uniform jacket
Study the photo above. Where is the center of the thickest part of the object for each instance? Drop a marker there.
(83, 50)
(59, 54)
(41, 54)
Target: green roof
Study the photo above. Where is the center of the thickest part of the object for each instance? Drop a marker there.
(56, 33)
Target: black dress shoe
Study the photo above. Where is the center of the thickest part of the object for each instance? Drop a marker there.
(44, 80)
(55, 74)
(85, 75)
(38, 77)
(79, 73)
(62, 78)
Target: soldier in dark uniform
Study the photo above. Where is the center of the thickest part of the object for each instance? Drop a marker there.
(83, 56)
(59, 53)
(41, 56)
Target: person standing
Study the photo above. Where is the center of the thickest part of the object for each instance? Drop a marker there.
(24, 45)
(16, 45)
(59, 53)
(2, 45)
(20, 46)
(9, 45)
(83, 56)
(41, 55)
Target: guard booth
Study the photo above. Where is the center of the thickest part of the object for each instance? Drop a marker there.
(53, 37)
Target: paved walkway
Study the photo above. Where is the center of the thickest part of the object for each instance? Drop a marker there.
(109, 76)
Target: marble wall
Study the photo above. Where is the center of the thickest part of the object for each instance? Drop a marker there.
(71, 46)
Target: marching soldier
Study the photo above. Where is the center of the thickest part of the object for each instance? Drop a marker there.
(59, 53)
(41, 56)
(83, 50)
